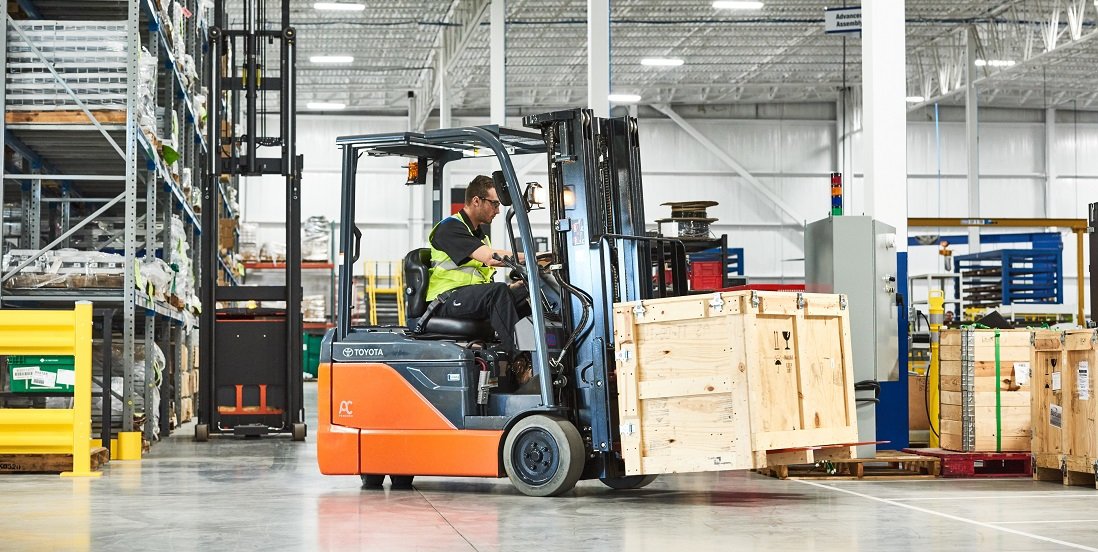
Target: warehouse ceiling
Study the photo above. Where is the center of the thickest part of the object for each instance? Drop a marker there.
(1034, 53)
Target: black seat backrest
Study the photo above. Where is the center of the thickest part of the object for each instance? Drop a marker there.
(417, 263)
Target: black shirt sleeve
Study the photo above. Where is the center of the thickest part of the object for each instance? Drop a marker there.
(453, 238)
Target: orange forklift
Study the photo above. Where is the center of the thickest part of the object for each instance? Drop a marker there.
(439, 397)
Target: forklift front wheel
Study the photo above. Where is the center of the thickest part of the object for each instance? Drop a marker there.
(299, 432)
(543, 455)
(628, 481)
(201, 433)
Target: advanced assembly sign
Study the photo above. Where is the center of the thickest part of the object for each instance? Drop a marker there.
(843, 20)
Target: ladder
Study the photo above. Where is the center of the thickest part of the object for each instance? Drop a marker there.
(384, 279)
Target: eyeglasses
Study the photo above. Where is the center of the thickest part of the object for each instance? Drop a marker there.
(495, 204)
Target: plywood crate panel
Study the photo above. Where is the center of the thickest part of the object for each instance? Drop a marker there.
(1080, 405)
(984, 390)
(713, 382)
(1046, 418)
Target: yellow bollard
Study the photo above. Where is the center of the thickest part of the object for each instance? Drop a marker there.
(936, 300)
(130, 444)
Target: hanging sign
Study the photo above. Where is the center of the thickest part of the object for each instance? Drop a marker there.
(843, 20)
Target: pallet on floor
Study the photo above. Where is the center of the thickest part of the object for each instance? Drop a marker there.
(979, 464)
(48, 463)
(1069, 470)
(887, 465)
(65, 117)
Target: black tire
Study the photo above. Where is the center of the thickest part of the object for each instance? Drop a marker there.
(401, 481)
(371, 481)
(628, 482)
(298, 432)
(544, 456)
(201, 433)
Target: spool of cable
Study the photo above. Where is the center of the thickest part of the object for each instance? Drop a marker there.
(690, 217)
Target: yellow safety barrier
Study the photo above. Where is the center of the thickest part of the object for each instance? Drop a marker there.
(936, 301)
(392, 274)
(51, 431)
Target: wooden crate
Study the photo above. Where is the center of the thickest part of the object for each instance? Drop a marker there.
(985, 392)
(1079, 430)
(713, 382)
(1046, 418)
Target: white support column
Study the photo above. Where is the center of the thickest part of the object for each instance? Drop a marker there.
(884, 115)
(598, 57)
(1050, 165)
(498, 57)
(972, 139)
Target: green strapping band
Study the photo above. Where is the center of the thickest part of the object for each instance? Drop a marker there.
(998, 405)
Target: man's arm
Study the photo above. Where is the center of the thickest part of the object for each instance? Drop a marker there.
(485, 254)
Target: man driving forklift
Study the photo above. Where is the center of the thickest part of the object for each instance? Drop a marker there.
(462, 266)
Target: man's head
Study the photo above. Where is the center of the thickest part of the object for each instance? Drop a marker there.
(481, 200)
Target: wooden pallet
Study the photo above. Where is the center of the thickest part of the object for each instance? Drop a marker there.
(887, 465)
(67, 117)
(980, 464)
(48, 463)
(1069, 470)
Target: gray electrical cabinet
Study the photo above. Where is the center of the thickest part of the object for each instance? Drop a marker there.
(856, 256)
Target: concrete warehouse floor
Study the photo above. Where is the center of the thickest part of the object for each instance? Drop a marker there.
(268, 495)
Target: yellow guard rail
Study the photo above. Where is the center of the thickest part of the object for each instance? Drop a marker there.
(54, 430)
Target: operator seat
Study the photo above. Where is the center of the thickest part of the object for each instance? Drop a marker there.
(417, 264)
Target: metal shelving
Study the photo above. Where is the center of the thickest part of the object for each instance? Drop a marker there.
(107, 167)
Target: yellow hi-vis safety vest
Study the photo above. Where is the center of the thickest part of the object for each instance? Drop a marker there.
(445, 274)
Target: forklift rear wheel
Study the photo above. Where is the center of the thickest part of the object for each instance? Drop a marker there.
(544, 455)
(201, 433)
(401, 481)
(371, 481)
(628, 481)
(299, 432)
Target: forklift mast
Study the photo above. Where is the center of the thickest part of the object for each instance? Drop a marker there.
(250, 359)
(597, 211)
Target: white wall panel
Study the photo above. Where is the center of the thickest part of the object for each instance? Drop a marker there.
(792, 157)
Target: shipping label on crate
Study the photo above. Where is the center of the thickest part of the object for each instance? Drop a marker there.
(1056, 415)
(23, 373)
(1021, 373)
(66, 377)
(44, 379)
(1056, 383)
(1082, 382)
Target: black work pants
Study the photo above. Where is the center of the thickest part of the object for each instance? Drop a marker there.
(500, 304)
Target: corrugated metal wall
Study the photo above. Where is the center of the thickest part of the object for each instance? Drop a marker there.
(792, 156)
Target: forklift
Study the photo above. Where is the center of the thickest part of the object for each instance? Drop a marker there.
(250, 358)
(439, 397)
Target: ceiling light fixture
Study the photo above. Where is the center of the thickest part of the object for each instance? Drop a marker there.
(915, 99)
(662, 62)
(737, 5)
(331, 59)
(624, 98)
(996, 63)
(322, 106)
(338, 6)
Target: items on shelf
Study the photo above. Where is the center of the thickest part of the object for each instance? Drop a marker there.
(272, 252)
(249, 246)
(314, 308)
(90, 56)
(65, 268)
(315, 241)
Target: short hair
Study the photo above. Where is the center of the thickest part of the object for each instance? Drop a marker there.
(479, 188)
